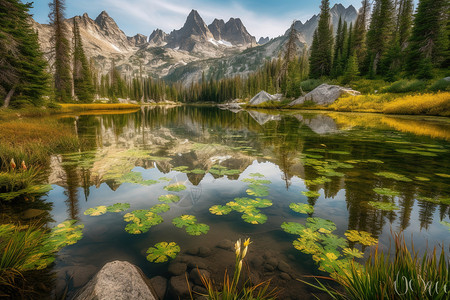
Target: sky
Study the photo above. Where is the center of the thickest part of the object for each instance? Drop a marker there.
(260, 17)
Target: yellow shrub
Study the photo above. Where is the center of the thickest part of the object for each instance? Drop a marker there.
(82, 107)
(424, 104)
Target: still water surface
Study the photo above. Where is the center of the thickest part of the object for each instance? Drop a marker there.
(211, 151)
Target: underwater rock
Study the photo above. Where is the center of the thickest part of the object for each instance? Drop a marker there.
(285, 276)
(225, 244)
(192, 251)
(257, 261)
(178, 287)
(196, 262)
(196, 275)
(269, 268)
(159, 284)
(200, 290)
(272, 261)
(177, 268)
(117, 280)
(284, 267)
(204, 251)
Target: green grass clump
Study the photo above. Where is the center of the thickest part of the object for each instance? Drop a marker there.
(440, 85)
(310, 84)
(406, 86)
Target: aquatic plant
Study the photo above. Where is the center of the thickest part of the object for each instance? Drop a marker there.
(395, 176)
(311, 194)
(257, 190)
(219, 170)
(184, 220)
(118, 207)
(254, 218)
(161, 252)
(231, 289)
(190, 224)
(256, 181)
(181, 168)
(293, 227)
(220, 210)
(197, 229)
(443, 175)
(320, 225)
(141, 221)
(302, 208)
(175, 187)
(170, 198)
(28, 192)
(386, 206)
(361, 237)
(420, 178)
(96, 211)
(318, 181)
(197, 171)
(136, 178)
(402, 275)
(423, 153)
(165, 179)
(386, 192)
(259, 175)
(160, 208)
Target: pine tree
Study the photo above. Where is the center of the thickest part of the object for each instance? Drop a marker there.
(351, 72)
(360, 30)
(429, 40)
(322, 45)
(22, 68)
(61, 51)
(82, 76)
(380, 32)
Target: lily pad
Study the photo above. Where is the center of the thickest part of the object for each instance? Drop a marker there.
(311, 194)
(423, 153)
(320, 225)
(175, 187)
(180, 168)
(443, 175)
(197, 229)
(302, 208)
(198, 171)
(317, 181)
(362, 237)
(165, 179)
(220, 210)
(420, 178)
(161, 252)
(258, 191)
(184, 220)
(142, 220)
(96, 211)
(256, 181)
(386, 192)
(339, 152)
(395, 176)
(353, 252)
(254, 218)
(386, 206)
(168, 198)
(333, 242)
(307, 246)
(256, 175)
(160, 208)
(62, 235)
(118, 207)
(293, 227)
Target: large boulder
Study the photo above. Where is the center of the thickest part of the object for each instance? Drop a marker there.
(324, 94)
(263, 97)
(117, 280)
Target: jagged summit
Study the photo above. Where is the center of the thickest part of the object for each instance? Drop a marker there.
(158, 38)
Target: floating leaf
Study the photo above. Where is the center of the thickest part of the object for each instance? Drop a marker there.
(180, 168)
(136, 178)
(197, 229)
(62, 235)
(311, 194)
(302, 208)
(258, 191)
(254, 218)
(317, 181)
(256, 181)
(443, 175)
(261, 203)
(423, 153)
(175, 187)
(142, 220)
(220, 210)
(307, 246)
(386, 192)
(96, 211)
(293, 227)
(386, 206)
(160, 208)
(168, 198)
(321, 225)
(333, 242)
(184, 220)
(161, 252)
(256, 175)
(198, 171)
(395, 176)
(165, 179)
(362, 237)
(339, 152)
(422, 178)
(118, 207)
(353, 252)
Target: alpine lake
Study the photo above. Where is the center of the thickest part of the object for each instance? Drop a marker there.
(167, 187)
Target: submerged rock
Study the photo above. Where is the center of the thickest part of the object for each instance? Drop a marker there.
(159, 284)
(324, 94)
(117, 280)
(179, 287)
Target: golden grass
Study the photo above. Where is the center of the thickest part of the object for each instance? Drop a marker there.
(99, 106)
(423, 104)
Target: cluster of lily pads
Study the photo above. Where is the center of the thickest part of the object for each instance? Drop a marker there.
(325, 167)
(161, 252)
(330, 251)
(249, 207)
(175, 187)
(423, 150)
(102, 209)
(189, 223)
(217, 170)
(140, 221)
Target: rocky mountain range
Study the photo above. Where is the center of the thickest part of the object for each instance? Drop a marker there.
(219, 49)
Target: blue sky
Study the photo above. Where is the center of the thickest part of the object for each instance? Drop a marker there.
(261, 17)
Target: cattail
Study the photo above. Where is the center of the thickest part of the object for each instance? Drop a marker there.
(24, 166)
(13, 164)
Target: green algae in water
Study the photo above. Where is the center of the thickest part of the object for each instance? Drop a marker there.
(170, 198)
(197, 229)
(293, 227)
(386, 206)
(118, 207)
(175, 187)
(161, 252)
(96, 211)
(302, 208)
(386, 192)
(184, 220)
(141, 221)
(220, 210)
(395, 176)
(311, 194)
(361, 237)
(254, 218)
(160, 208)
(447, 224)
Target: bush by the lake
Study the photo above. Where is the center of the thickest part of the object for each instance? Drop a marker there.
(424, 104)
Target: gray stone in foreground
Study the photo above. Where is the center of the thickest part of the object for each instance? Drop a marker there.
(117, 280)
(324, 94)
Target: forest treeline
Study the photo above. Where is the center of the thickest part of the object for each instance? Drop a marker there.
(387, 41)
